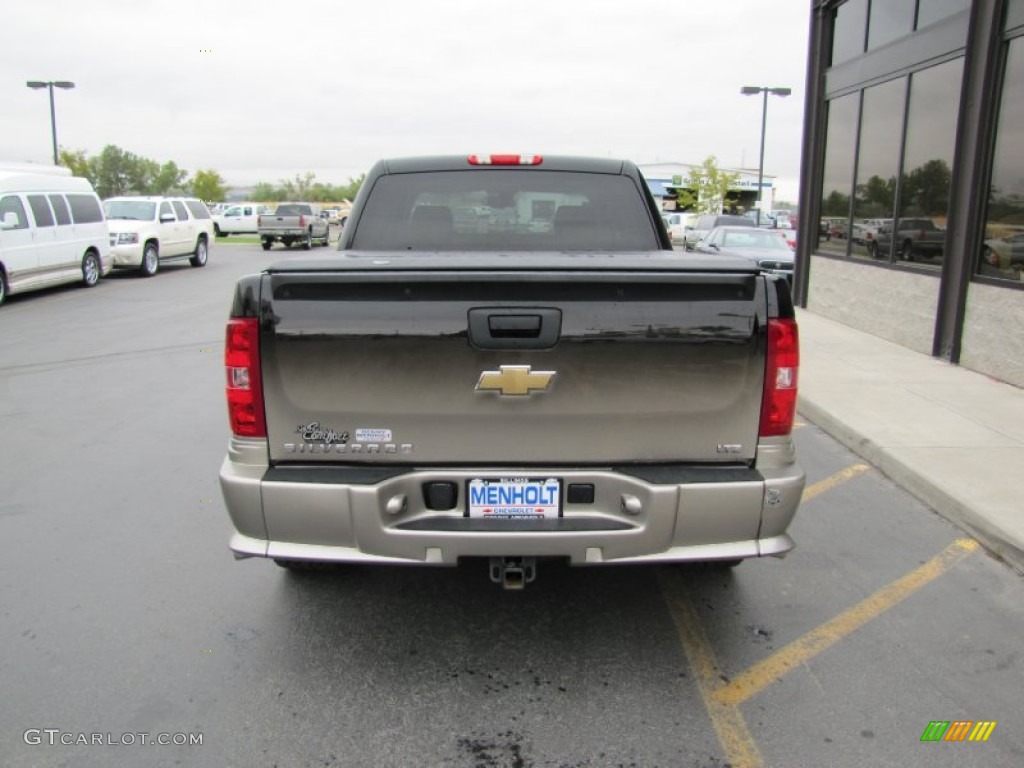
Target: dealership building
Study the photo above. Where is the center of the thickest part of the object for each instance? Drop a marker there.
(666, 180)
(912, 189)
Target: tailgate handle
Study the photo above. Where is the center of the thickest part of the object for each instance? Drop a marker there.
(514, 327)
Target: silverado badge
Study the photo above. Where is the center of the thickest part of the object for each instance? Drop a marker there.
(515, 380)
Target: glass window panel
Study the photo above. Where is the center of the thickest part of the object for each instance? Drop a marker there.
(60, 209)
(85, 209)
(877, 165)
(928, 164)
(890, 19)
(1002, 253)
(848, 30)
(40, 210)
(930, 11)
(840, 141)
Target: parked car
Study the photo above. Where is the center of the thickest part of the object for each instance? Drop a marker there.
(706, 222)
(914, 238)
(788, 235)
(1005, 254)
(294, 223)
(566, 387)
(866, 230)
(52, 230)
(763, 247)
(147, 231)
(676, 224)
(238, 219)
(834, 226)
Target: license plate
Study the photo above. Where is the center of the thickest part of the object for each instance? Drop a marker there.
(515, 497)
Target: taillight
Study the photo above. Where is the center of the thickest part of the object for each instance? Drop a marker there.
(302, 222)
(242, 366)
(505, 159)
(778, 408)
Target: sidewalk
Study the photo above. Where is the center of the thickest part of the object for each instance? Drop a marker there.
(952, 437)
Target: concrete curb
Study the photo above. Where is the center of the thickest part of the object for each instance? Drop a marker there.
(991, 535)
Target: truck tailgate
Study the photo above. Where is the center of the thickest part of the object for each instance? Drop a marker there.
(490, 367)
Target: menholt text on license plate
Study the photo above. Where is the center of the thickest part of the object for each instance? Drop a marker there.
(514, 497)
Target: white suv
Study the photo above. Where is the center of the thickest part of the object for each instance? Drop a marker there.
(146, 231)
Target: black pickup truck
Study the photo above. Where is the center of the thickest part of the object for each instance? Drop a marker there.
(507, 360)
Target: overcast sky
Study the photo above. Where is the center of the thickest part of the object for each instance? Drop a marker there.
(260, 91)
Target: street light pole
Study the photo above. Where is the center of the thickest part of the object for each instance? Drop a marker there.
(51, 84)
(751, 90)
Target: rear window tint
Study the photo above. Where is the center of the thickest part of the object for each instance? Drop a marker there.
(60, 209)
(198, 210)
(499, 210)
(85, 209)
(40, 210)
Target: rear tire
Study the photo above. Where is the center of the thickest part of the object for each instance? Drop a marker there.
(201, 254)
(908, 251)
(308, 242)
(90, 269)
(217, 232)
(3, 286)
(266, 244)
(150, 260)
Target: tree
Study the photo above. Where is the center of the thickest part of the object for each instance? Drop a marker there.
(876, 198)
(110, 171)
(169, 178)
(925, 190)
(76, 161)
(707, 188)
(208, 186)
(350, 190)
(266, 193)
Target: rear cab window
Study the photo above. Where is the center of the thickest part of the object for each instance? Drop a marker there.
(496, 210)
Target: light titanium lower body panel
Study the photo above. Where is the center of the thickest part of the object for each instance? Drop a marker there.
(387, 522)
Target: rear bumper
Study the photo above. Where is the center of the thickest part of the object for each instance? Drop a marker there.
(343, 515)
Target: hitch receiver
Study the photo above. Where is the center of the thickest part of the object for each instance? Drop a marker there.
(513, 572)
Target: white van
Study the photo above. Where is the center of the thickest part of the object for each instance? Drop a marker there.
(52, 229)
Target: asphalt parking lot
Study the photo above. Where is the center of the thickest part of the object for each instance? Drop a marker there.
(124, 614)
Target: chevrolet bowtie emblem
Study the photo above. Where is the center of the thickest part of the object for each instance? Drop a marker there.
(515, 380)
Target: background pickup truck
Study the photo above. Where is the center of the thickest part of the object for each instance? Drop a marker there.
(915, 239)
(293, 223)
(507, 361)
(238, 219)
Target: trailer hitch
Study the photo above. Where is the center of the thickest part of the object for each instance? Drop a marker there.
(513, 572)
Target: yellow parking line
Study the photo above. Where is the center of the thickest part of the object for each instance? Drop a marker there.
(766, 672)
(731, 729)
(832, 481)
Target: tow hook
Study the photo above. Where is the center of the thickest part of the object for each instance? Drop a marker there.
(513, 572)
